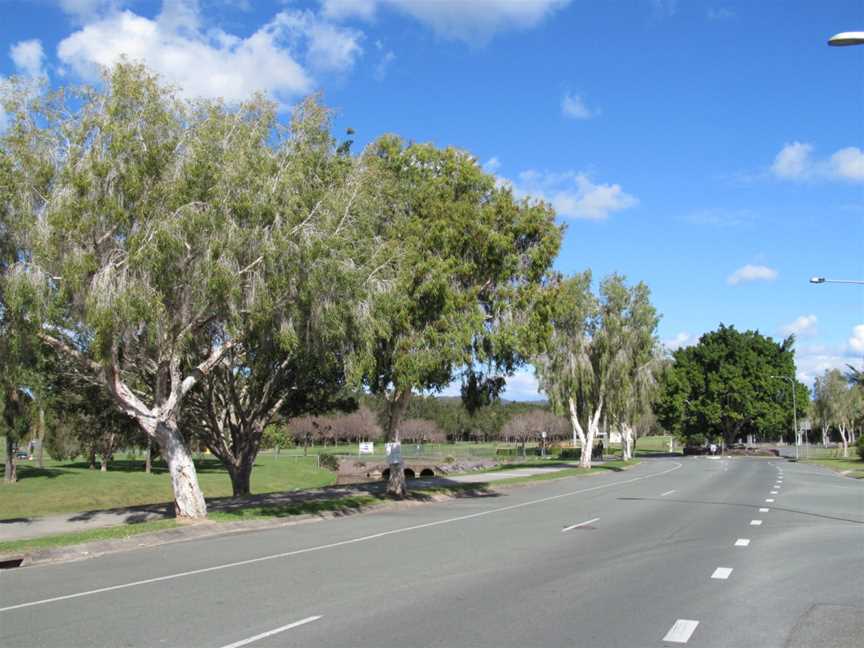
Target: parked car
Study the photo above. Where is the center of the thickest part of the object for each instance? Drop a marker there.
(695, 450)
(20, 454)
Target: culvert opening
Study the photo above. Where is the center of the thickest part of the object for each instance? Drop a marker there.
(427, 472)
(410, 474)
(386, 474)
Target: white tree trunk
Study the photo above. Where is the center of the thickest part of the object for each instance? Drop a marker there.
(593, 428)
(626, 442)
(824, 436)
(844, 440)
(578, 432)
(188, 499)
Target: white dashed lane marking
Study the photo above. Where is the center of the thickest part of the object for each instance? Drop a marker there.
(681, 631)
(721, 573)
(742, 542)
(755, 522)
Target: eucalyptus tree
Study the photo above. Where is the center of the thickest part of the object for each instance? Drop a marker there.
(298, 332)
(145, 220)
(462, 283)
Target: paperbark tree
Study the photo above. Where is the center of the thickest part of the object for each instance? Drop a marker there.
(307, 289)
(591, 353)
(461, 283)
(142, 227)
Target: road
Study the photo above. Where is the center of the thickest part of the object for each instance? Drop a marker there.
(654, 556)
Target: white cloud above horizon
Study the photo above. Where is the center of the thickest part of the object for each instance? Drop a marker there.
(681, 340)
(750, 272)
(795, 162)
(856, 341)
(572, 194)
(574, 107)
(279, 58)
(805, 325)
(28, 57)
(473, 22)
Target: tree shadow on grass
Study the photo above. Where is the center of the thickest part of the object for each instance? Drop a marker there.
(29, 472)
(202, 466)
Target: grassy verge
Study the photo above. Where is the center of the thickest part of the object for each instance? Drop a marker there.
(855, 466)
(71, 487)
(65, 539)
(344, 505)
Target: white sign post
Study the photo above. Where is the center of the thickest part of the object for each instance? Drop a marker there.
(366, 447)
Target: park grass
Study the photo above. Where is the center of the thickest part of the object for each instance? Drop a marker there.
(852, 466)
(71, 487)
(343, 505)
(78, 537)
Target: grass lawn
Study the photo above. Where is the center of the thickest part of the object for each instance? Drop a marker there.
(66, 539)
(65, 487)
(838, 464)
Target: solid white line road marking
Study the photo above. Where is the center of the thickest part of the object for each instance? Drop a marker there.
(742, 542)
(666, 493)
(681, 631)
(332, 545)
(763, 510)
(770, 500)
(755, 522)
(270, 633)
(721, 573)
(576, 526)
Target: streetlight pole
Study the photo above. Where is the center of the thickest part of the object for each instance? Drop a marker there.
(794, 411)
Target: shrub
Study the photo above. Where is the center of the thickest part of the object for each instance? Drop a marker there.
(570, 453)
(860, 445)
(449, 459)
(329, 461)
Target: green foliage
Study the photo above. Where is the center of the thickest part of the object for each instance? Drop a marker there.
(465, 263)
(329, 461)
(859, 445)
(730, 384)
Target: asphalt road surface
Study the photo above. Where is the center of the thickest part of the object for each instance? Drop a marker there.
(692, 551)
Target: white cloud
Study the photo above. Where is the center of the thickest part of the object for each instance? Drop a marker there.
(86, 10)
(848, 164)
(720, 14)
(796, 162)
(793, 161)
(384, 65)
(811, 362)
(523, 386)
(573, 194)
(214, 63)
(28, 57)
(751, 273)
(341, 9)
(492, 165)
(574, 107)
(474, 22)
(805, 325)
(680, 341)
(856, 342)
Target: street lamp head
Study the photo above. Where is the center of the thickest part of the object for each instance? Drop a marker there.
(844, 39)
(817, 280)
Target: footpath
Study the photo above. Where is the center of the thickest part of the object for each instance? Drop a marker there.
(24, 528)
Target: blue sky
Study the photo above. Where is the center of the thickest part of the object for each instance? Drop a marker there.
(711, 149)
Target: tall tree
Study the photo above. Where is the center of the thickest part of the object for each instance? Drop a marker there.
(298, 329)
(731, 384)
(462, 281)
(143, 227)
(597, 355)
